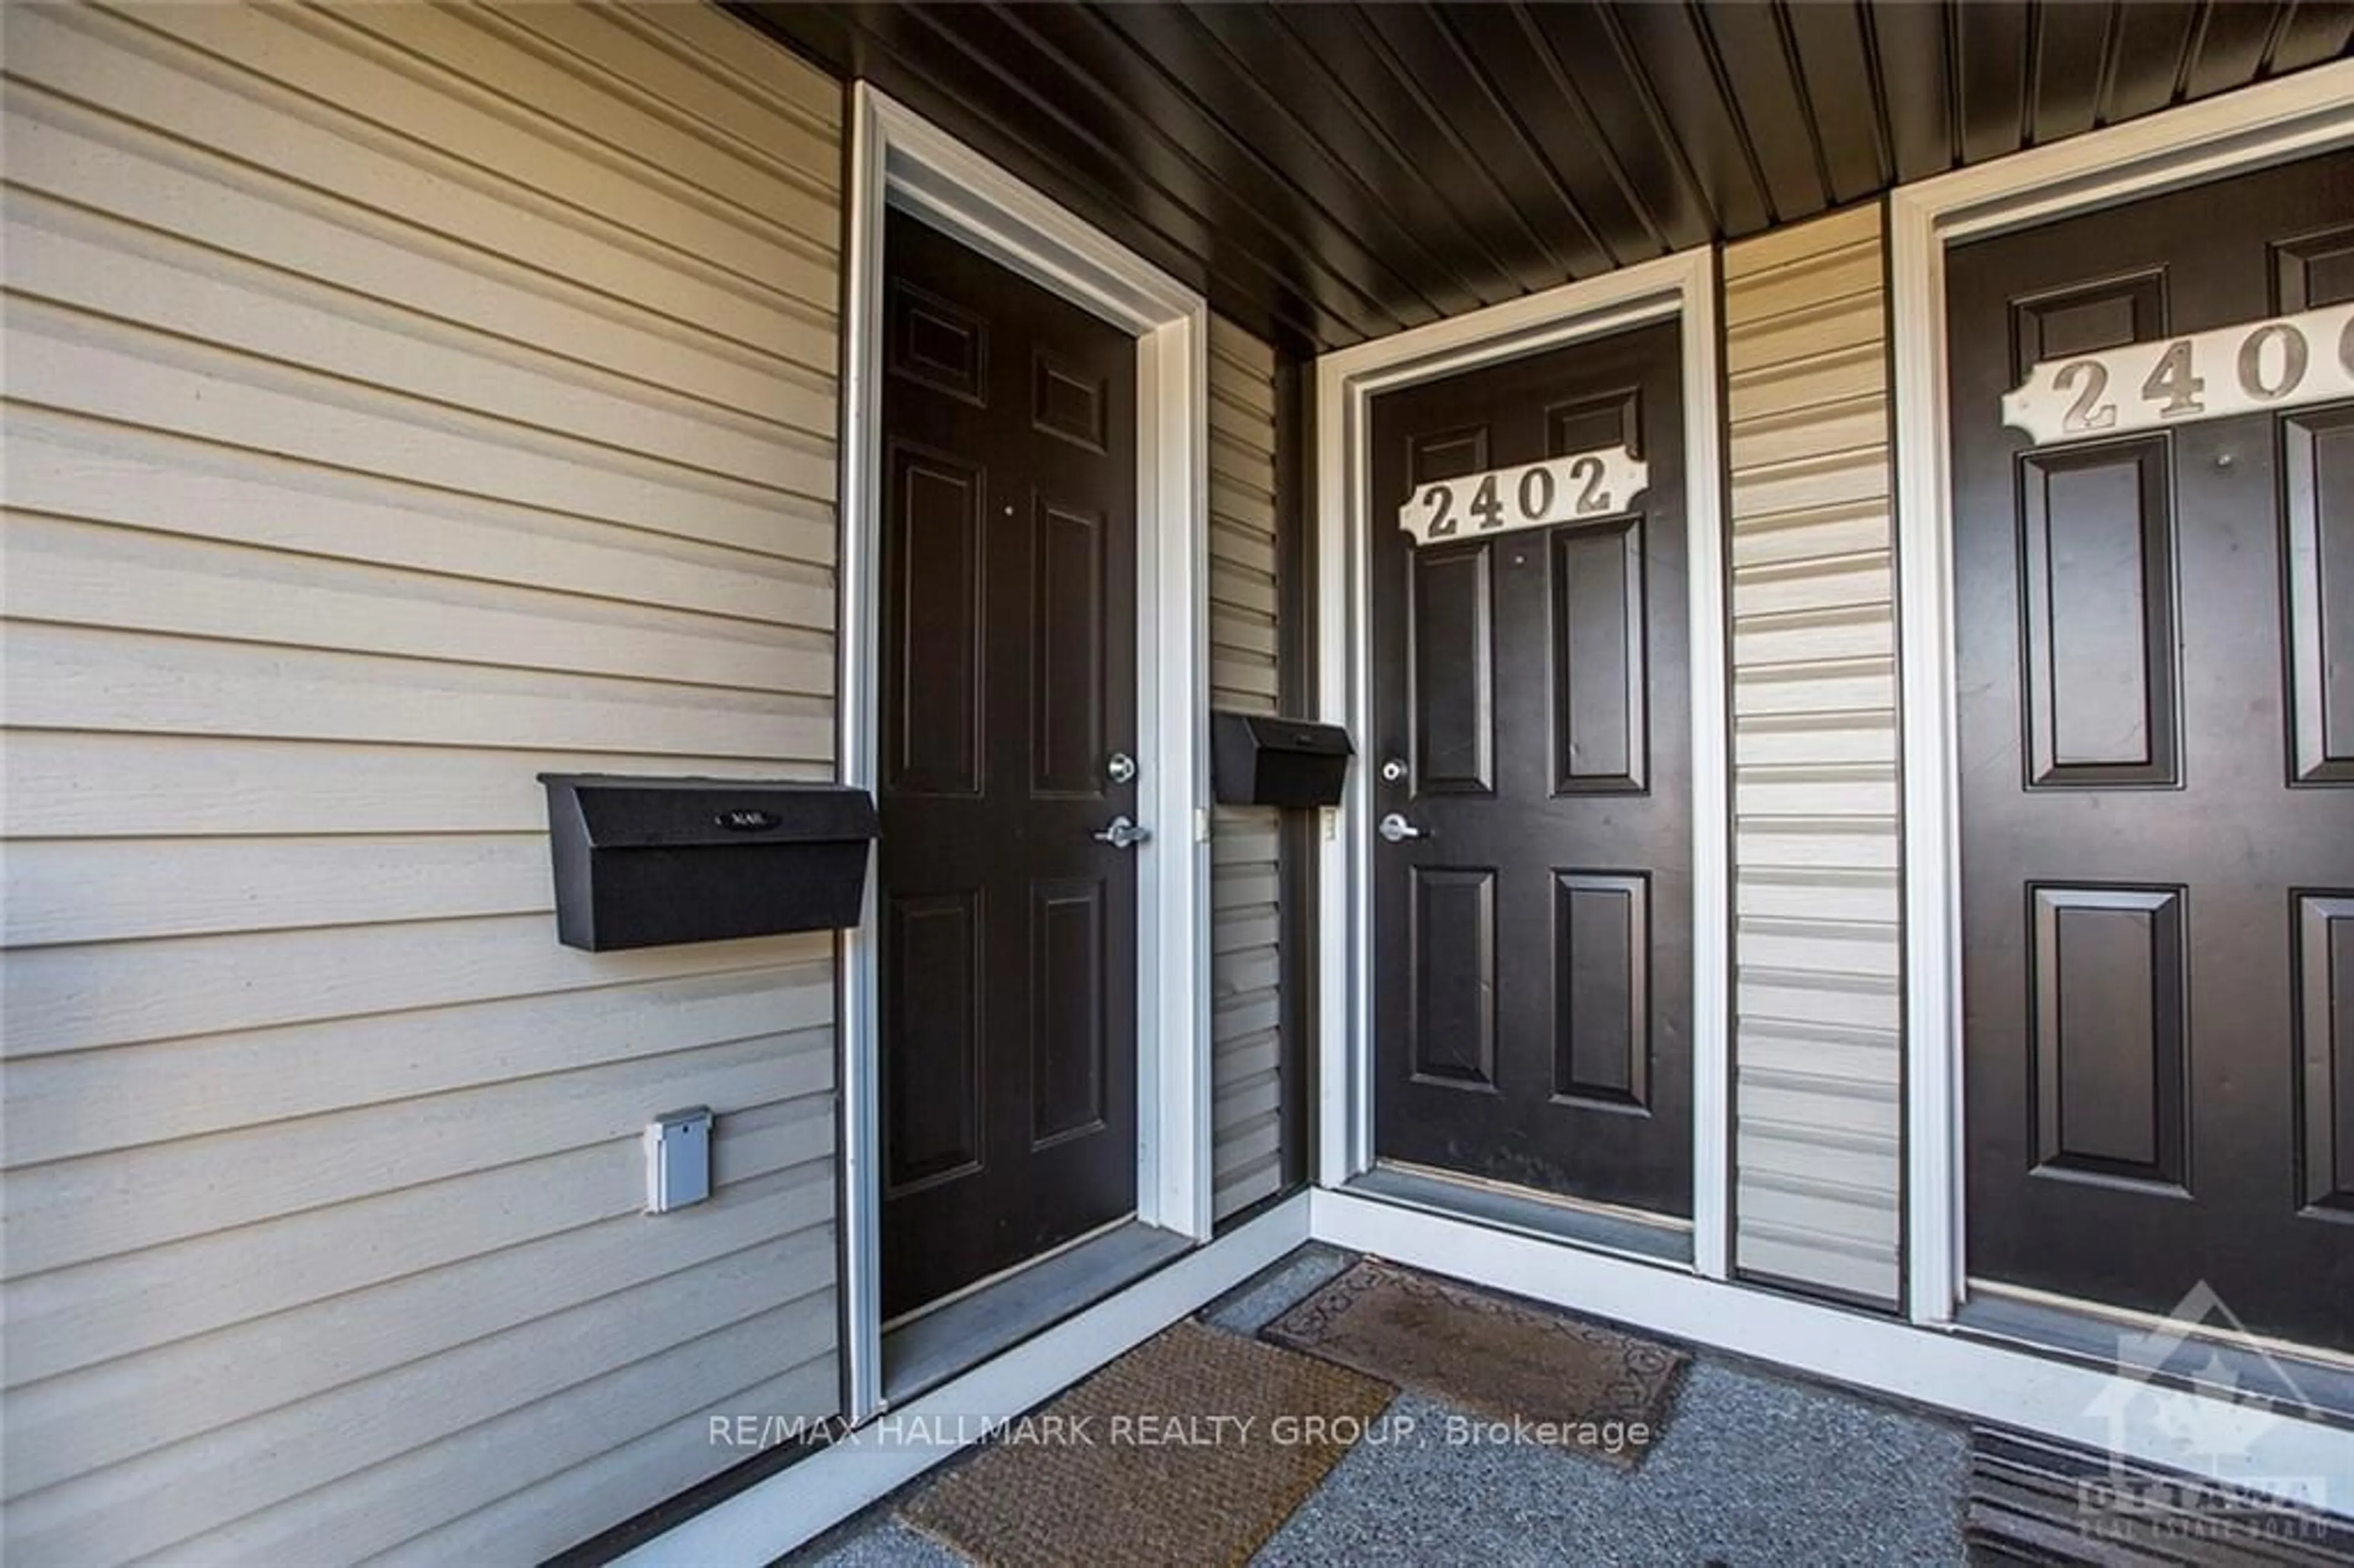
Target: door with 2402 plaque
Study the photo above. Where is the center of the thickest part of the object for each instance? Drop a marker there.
(1531, 736)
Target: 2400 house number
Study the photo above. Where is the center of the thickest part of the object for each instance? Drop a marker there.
(2285, 362)
(1584, 485)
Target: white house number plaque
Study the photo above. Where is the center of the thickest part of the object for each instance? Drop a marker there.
(1533, 495)
(2282, 363)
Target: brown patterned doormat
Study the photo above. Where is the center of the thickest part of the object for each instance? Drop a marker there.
(1193, 1448)
(1536, 1376)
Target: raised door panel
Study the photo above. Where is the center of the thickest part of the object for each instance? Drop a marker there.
(1454, 670)
(2097, 601)
(1601, 419)
(1601, 732)
(933, 616)
(2086, 319)
(934, 342)
(1068, 1037)
(2109, 1032)
(1445, 454)
(1452, 602)
(2314, 270)
(2318, 523)
(1066, 703)
(1066, 401)
(2324, 1025)
(934, 1095)
(1601, 1006)
(1452, 963)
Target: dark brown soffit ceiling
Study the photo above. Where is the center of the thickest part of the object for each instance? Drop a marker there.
(1331, 172)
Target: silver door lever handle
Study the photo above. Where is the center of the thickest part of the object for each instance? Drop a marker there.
(1122, 833)
(1397, 830)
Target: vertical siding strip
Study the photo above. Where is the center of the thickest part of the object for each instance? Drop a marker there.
(1246, 967)
(1817, 939)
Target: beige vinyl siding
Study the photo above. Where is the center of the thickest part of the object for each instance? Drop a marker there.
(1818, 1047)
(402, 401)
(1246, 966)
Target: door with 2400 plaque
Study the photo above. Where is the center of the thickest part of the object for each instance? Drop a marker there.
(2154, 587)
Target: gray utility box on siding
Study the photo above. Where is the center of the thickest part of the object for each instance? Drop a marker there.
(644, 862)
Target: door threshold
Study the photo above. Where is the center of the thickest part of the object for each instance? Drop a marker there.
(989, 1281)
(2316, 1383)
(925, 1348)
(1598, 1227)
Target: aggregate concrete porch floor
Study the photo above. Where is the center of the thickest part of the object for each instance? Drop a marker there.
(1751, 1469)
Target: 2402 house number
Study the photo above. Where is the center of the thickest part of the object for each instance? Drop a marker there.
(2285, 362)
(1582, 485)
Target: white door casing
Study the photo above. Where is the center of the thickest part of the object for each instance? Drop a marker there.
(2308, 113)
(1681, 287)
(899, 159)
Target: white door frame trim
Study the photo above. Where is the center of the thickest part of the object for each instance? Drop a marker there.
(1680, 287)
(899, 159)
(2307, 112)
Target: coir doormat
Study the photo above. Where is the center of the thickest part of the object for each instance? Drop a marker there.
(1193, 1448)
(1536, 1376)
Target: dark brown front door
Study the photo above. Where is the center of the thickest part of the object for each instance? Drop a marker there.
(2156, 650)
(1007, 930)
(1533, 950)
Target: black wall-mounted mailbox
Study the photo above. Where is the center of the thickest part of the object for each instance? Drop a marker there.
(641, 862)
(1257, 760)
